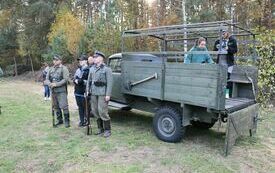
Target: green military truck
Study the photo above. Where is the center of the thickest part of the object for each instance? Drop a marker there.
(181, 94)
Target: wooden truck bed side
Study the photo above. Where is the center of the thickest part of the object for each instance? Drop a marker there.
(133, 71)
(196, 84)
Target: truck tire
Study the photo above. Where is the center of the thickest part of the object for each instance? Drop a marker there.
(167, 124)
(202, 125)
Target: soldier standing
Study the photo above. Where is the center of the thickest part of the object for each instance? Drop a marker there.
(100, 86)
(57, 79)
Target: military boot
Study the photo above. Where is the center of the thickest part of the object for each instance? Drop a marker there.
(59, 118)
(99, 126)
(67, 120)
(107, 129)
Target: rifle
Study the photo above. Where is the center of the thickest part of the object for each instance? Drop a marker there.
(53, 117)
(87, 113)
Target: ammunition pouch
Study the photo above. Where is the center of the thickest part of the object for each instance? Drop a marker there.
(99, 84)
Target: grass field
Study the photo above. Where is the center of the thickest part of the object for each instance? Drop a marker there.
(28, 143)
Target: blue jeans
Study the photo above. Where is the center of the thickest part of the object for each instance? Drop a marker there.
(47, 92)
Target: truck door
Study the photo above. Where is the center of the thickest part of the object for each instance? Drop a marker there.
(115, 65)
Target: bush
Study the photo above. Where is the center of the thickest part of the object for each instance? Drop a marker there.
(266, 80)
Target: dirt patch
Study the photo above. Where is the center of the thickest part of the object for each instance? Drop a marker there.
(28, 165)
(121, 155)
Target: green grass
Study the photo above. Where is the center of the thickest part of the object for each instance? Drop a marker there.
(28, 143)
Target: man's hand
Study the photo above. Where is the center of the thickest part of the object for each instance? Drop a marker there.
(52, 85)
(76, 81)
(107, 98)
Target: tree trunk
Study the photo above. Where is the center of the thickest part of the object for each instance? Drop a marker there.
(31, 64)
(15, 66)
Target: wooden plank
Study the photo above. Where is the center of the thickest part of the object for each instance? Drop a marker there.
(141, 64)
(192, 73)
(136, 71)
(190, 99)
(140, 76)
(237, 103)
(195, 91)
(196, 84)
(143, 73)
(191, 81)
(222, 83)
(193, 66)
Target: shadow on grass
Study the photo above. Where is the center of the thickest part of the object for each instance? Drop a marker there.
(212, 138)
(132, 117)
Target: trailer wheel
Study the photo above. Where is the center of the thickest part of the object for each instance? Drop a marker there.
(202, 125)
(167, 124)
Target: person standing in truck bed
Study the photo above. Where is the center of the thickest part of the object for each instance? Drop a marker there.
(204, 57)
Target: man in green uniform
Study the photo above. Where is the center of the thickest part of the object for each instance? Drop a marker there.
(99, 87)
(57, 79)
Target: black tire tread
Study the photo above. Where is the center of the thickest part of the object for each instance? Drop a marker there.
(175, 114)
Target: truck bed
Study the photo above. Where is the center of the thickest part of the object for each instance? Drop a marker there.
(235, 104)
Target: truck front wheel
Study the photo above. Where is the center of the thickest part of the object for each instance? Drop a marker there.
(167, 124)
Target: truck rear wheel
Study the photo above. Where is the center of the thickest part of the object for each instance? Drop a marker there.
(202, 125)
(167, 124)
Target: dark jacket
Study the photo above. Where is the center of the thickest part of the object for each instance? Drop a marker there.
(232, 49)
(81, 75)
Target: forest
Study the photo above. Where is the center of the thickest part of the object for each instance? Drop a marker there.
(31, 31)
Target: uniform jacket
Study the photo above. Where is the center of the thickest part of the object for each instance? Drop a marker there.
(60, 76)
(198, 58)
(101, 74)
(232, 49)
(81, 75)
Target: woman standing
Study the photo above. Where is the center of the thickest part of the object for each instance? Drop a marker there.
(47, 92)
(198, 57)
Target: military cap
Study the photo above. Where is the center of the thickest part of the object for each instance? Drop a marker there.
(82, 57)
(57, 57)
(98, 53)
(224, 30)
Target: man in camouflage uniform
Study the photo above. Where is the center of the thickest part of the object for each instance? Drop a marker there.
(57, 79)
(99, 87)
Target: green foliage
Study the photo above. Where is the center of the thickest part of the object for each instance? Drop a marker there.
(103, 34)
(72, 29)
(8, 46)
(30, 27)
(36, 19)
(266, 66)
(104, 38)
(58, 46)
